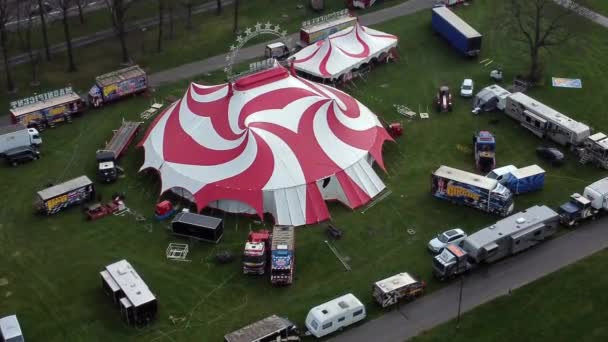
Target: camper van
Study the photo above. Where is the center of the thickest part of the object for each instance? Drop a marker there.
(334, 315)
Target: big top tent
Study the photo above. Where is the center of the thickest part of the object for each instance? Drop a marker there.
(344, 51)
(269, 142)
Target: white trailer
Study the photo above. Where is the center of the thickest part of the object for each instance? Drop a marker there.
(545, 121)
(334, 315)
(595, 150)
(593, 202)
(17, 135)
(399, 287)
(490, 98)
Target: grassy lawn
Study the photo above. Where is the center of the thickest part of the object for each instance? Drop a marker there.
(211, 35)
(600, 6)
(51, 264)
(564, 306)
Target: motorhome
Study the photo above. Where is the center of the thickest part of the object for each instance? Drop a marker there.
(334, 315)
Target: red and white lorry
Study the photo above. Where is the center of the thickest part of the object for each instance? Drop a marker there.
(256, 253)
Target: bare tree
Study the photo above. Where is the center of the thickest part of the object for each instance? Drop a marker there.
(219, 7)
(161, 14)
(541, 26)
(171, 26)
(188, 5)
(64, 7)
(80, 14)
(25, 37)
(118, 11)
(5, 16)
(45, 39)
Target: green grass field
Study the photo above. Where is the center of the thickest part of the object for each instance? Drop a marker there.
(600, 6)
(564, 306)
(50, 265)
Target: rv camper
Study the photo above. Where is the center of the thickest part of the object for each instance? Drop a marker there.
(273, 328)
(508, 236)
(198, 227)
(544, 121)
(334, 315)
(595, 150)
(138, 306)
(392, 290)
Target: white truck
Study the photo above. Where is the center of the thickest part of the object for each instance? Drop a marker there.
(17, 135)
(508, 236)
(593, 202)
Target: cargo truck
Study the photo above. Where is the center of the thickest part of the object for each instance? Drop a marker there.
(18, 143)
(256, 252)
(593, 202)
(519, 181)
(484, 146)
(107, 170)
(117, 84)
(282, 255)
(61, 196)
(472, 190)
(456, 31)
(506, 237)
(46, 109)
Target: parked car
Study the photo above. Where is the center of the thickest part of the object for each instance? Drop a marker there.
(21, 154)
(551, 154)
(452, 236)
(466, 89)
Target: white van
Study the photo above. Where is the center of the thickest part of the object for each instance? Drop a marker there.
(335, 315)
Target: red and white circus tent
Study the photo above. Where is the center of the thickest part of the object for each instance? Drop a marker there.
(269, 142)
(344, 51)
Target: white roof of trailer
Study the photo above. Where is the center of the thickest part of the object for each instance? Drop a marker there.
(9, 327)
(601, 186)
(514, 224)
(549, 113)
(335, 307)
(466, 177)
(528, 171)
(456, 21)
(503, 170)
(258, 330)
(130, 283)
(395, 282)
(600, 139)
(64, 187)
(495, 90)
(327, 24)
(275, 45)
(43, 104)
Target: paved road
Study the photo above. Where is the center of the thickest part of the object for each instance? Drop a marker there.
(585, 12)
(190, 70)
(482, 286)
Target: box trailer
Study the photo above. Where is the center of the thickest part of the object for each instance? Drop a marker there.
(118, 84)
(508, 236)
(472, 190)
(593, 202)
(198, 227)
(273, 328)
(456, 31)
(519, 181)
(545, 121)
(107, 157)
(61, 196)
(138, 305)
(392, 290)
(320, 28)
(47, 109)
(10, 331)
(17, 135)
(335, 315)
(282, 255)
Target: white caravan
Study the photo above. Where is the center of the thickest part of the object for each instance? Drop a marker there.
(334, 315)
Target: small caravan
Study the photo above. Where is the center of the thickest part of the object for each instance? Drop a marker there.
(336, 314)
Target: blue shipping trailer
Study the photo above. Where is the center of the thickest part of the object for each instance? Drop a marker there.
(472, 190)
(519, 181)
(456, 31)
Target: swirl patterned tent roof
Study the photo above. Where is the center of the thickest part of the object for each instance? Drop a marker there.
(343, 51)
(268, 143)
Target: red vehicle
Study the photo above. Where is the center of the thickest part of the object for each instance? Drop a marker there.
(444, 99)
(98, 210)
(255, 255)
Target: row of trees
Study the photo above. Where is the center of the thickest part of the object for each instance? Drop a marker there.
(29, 16)
(537, 24)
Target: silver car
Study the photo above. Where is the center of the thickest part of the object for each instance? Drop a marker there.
(452, 236)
